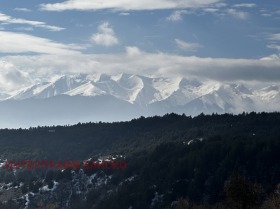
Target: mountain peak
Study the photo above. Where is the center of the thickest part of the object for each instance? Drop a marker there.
(104, 77)
(161, 94)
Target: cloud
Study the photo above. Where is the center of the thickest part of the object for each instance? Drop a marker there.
(273, 57)
(23, 9)
(237, 14)
(124, 14)
(274, 41)
(210, 10)
(11, 78)
(176, 15)
(152, 64)
(11, 42)
(269, 13)
(132, 51)
(274, 46)
(274, 37)
(266, 15)
(25, 28)
(126, 5)
(220, 5)
(247, 5)
(186, 46)
(105, 36)
(10, 20)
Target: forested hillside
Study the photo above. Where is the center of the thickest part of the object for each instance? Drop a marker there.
(174, 161)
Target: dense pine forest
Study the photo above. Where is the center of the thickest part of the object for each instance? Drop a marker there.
(173, 161)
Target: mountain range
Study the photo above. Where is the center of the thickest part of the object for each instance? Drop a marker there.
(80, 98)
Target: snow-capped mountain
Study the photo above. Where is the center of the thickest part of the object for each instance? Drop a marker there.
(126, 87)
(78, 98)
(50, 89)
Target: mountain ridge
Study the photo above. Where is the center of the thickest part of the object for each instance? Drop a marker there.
(135, 95)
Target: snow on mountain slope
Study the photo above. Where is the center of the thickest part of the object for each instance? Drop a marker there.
(186, 91)
(165, 86)
(50, 89)
(87, 89)
(31, 91)
(228, 98)
(269, 98)
(125, 87)
(132, 83)
(269, 93)
(160, 94)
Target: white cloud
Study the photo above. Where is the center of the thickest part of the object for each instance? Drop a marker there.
(10, 20)
(126, 4)
(124, 14)
(273, 57)
(25, 28)
(23, 9)
(220, 5)
(238, 14)
(11, 42)
(186, 46)
(266, 14)
(153, 64)
(274, 41)
(133, 51)
(247, 5)
(274, 37)
(176, 15)
(210, 10)
(11, 78)
(274, 46)
(105, 36)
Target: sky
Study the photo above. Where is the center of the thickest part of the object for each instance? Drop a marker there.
(222, 40)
